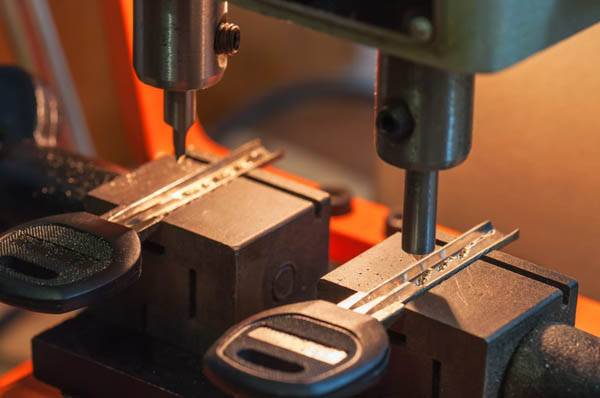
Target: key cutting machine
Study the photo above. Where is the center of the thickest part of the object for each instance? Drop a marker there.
(211, 239)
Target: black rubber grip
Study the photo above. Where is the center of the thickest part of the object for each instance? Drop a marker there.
(555, 361)
(61, 263)
(311, 349)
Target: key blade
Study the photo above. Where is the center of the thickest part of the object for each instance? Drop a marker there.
(151, 209)
(392, 305)
(123, 212)
(389, 298)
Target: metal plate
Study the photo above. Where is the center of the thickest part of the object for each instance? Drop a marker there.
(469, 35)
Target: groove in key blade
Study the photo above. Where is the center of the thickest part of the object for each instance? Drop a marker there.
(427, 272)
(146, 212)
(393, 303)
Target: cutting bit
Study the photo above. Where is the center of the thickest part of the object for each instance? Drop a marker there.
(180, 113)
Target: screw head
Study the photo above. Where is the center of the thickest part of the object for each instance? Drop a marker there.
(395, 121)
(227, 38)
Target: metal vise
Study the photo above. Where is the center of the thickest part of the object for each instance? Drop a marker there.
(458, 339)
(255, 243)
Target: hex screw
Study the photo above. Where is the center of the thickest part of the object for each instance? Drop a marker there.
(227, 38)
(395, 121)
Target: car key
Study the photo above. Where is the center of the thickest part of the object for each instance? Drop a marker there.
(320, 349)
(64, 262)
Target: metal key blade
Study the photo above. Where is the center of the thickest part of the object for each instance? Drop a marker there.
(388, 298)
(149, 210)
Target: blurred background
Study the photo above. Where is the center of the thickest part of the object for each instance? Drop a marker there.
(536, 151)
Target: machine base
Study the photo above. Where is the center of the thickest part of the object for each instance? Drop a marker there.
(455, 341)
(86, 357)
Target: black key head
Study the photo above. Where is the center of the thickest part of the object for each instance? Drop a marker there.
(310, 349)
(61, 263)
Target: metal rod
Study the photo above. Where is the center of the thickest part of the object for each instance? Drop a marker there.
(420, 211)
(174, 50)
(423, 126)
